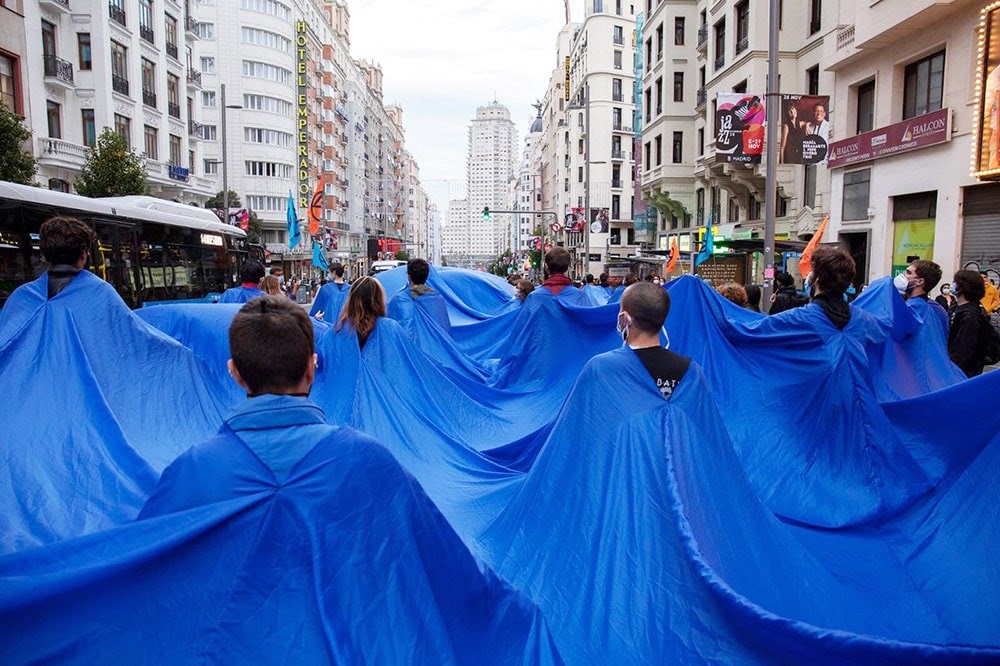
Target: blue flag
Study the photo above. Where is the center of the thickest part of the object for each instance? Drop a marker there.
(294, 235)
(707, 245)
(319, 258)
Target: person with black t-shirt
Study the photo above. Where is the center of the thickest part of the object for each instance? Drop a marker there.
(644, 308)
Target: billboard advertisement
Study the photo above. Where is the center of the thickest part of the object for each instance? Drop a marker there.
(739, 128)
(805, 129)
(986, 142)
(927, 130)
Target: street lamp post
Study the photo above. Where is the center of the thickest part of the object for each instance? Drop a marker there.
(586, 178)
(225, 161)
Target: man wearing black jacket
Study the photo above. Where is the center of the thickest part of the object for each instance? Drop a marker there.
(786, 297)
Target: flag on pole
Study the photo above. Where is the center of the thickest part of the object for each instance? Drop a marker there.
(294, 235)
(805, 263)
(316, 207)
(707, 244)
(675, 254)
(319, 257)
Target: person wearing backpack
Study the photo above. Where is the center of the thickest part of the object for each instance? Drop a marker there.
(971, 338)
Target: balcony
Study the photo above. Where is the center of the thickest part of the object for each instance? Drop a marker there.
(58, 5)
(172, 50)
(196, 130)
(617, 154)
(59, 153)
(119, 84)
(618, 127)
(117, 14)
(146, 33)
(174, 109)
(149, 98)
(742, 44)
(58, 71)
(193, 78)
(701, 97)
(720, 62)
(702, 36)
(616, 184)
(191, 27)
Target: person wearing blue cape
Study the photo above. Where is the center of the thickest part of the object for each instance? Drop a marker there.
(65, 243)
(332, 296)
(556, 283)
(282, 539)
(915, 284)
(643, 310)
(250, 277)
(416, 295)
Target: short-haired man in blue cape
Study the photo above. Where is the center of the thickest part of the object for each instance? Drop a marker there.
(916, 283)
(418, 296)
(556, 283)
(250, 276)
(642, 313)
(332, 296)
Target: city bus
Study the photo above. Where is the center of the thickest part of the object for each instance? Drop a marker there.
(149, 249)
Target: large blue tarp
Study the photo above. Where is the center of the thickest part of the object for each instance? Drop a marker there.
(800, 498)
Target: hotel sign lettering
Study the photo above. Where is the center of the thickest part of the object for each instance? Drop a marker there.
(927, 130)
(302, 112)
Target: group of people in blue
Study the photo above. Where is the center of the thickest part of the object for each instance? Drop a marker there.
(433, 466)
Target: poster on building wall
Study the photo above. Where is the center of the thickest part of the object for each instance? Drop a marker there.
(599, 219)
(912, 240)
(739, 128)
(805, 129)
(986, 144)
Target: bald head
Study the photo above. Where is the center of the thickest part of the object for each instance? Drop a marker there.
(647, 304)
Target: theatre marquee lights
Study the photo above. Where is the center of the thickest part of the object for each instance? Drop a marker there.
(985, 163)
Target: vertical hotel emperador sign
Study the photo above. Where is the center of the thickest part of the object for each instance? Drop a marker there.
(986, 141)
(302, 112)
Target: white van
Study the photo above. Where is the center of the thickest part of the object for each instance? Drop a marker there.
(385, 265)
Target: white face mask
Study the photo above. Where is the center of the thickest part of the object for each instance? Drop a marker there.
(622, 328)
(900, 283)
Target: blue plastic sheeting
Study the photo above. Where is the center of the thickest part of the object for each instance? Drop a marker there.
(772, 511)
(330, 301)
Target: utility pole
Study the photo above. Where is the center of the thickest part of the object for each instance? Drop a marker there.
(771, 193)
(225, 169)
(586, 178)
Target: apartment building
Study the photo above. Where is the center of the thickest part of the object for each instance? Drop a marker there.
(909, 81)
(490, 166)
(455, 234)
(125, 65)
(13, 62)
(692, 51)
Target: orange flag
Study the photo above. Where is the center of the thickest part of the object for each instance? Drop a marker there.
(316, 208)
(675, 254)
(805, 263)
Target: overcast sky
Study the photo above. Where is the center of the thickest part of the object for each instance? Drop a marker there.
(441, 59)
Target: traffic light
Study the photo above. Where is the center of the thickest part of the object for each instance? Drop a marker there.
(486, 213)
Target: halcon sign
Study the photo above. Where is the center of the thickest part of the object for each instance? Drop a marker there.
(302, 114)
(926, 130)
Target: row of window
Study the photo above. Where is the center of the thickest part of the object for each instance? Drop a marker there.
(266, 38)
(269, 169)
(263, 70)
(267, 136)
(151, 142)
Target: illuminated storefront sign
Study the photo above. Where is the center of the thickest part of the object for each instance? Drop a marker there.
(302, 112)
(986, 142)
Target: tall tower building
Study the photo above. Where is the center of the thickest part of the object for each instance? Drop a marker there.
(490, 166)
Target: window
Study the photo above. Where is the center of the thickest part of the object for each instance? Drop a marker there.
(205, 30)
(618, 35)
(208, 99)
(865, 121)
(754, 208)
(815, 12)
(211, 167)
(579, 174)
(649, 53)
(55, 121)
(679, 31)
(733, 210)
(83, 46)
(263, 70)
(616, 175)
(616, 146)
(58, 185)
(175, 150)
(720, 44)
(208, 65)
(699, 198)
(150, 140)
(174, 95)
(812, 80)
(275, 137)
(8, 80)
(658, 143)
(716, 205)
(89, 128)
(123, 125)
(645, 156)
(117, 11)
(148, 83)
(923, 86)
(210, 132)
(677, 152)
(146, 20)
(269, 169)
(856, 187)
(618, 59)
(598, 6)
(701, 141)
(809, 186)
(271, 7)
(266, 38)
(170, 31)
(742, 26)
(616, 207)
(119, 68)
(616, 118)
(616, 90)
(678, 86)
(659, 42)
(659, 95)
(649, 105)
(48, 42)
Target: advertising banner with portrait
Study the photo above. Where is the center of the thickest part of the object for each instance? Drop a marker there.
(805, 129)
(986, 142)
(739, 128)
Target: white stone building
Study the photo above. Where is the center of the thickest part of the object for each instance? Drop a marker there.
(490, 165)
(455, 234)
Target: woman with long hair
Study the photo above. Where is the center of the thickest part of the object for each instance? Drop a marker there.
(269, 285)
(365, 304)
